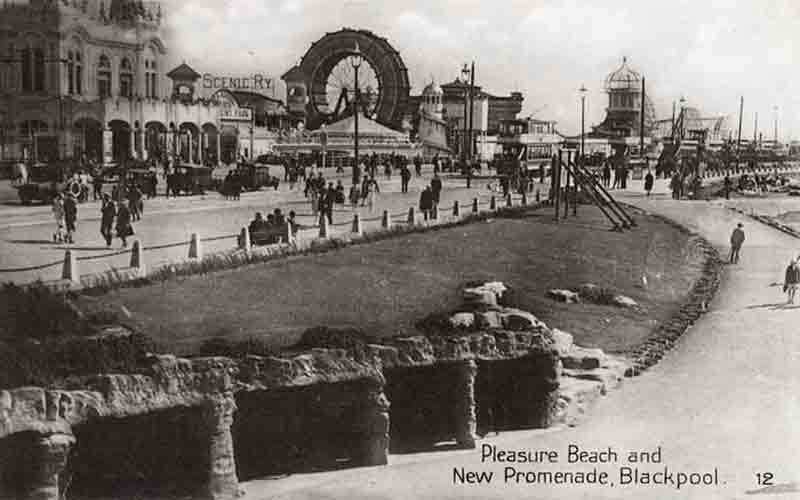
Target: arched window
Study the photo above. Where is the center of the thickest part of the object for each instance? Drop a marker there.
(70, 72)
(27, 69)
(125, 79)
(38, 69)
(151, 90)
(104, 77)
(78, 73)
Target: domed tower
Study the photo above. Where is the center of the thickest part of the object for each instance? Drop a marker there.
(623, 114)
(432, 104)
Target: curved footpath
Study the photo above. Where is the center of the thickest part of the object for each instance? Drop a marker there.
(725, 397)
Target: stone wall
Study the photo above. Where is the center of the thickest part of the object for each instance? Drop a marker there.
(195, 426)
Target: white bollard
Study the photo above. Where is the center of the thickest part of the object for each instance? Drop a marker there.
(412, 216)
(324, 230)
(357, 229)
(70, 269)
(136, 256)
(244, 240)
(195, 247)
(386, 220)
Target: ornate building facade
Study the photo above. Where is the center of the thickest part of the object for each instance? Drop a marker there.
(88, 79)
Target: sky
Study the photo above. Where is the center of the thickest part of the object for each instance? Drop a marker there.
(711, 52)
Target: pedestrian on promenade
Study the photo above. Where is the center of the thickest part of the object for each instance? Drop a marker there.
(648, 183)
(791, 280)
(405, 177)
(737, 238)
(70, 215)
(606, 175)
(418, 165)
(134, 199)
(436, 188)
(124, 227)
(355, 196)
(727, 187)
(426, 203)
(314, 199)
(59, 235)
(387, 170)
(372, 190)
(108, 212)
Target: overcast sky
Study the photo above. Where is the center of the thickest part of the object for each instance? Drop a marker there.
(710, 51)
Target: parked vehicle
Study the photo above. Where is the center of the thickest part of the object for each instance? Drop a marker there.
(190, 179)
(252, 176)
(44, 182)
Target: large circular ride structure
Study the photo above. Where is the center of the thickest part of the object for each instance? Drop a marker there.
(382, 78)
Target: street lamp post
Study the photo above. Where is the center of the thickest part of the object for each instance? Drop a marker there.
(465, 139)
(355, 61)
(776, 126)
(583, 91)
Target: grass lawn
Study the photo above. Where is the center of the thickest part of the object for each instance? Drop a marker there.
(385, 287)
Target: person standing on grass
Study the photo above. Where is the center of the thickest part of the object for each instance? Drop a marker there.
(737, 238)
(108, 212)
(791, 280)
(648, 183)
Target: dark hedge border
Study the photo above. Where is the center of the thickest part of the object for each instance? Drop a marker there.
(668, 333)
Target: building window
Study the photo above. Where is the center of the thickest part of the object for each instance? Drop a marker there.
(70, 73)
(104, 77)
(38, 70)
(151, 90)
(78, 74)
(125, 79)
(27, 75)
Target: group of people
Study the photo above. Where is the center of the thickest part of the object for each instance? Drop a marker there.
(272, 229)
(791, 278)
(115, 217)
(65, 211)
(430, 196)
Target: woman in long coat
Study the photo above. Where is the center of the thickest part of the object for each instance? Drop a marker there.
(108, 213)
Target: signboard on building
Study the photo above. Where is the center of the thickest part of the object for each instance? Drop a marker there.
(252, 82)
(236, 114)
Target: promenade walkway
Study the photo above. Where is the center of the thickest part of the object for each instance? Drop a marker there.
(725, 398)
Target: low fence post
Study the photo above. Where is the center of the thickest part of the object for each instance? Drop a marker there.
(508, 200)
(475, 205)
(386, 220)
(412, 216)
(492, 204)
(195, 247)
(456, 209)
(136, 256)
(244, 239)
(357, 229)
(324, 231)
(70, 269)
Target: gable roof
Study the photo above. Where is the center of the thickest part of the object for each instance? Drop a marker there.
(183, 72)
(366, 126)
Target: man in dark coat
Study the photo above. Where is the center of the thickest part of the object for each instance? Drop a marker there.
(108, 212)
(648, 182)
(124, 227)
(405, 177)
(737, 238)
(426, 202)
(418, 165)
(70, 215)
(436, 188)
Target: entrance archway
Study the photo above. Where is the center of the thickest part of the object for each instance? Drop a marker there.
(155, 141)
(120, 140)
(189, 145)
(229, 142)
(211, 144)
(87, 142)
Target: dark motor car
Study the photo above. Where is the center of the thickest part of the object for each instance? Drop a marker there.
(190, 179)
(44, 182)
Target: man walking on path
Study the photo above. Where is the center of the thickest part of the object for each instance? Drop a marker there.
(70, 215)
(737, 238)
(108, 214)
(791, 280)
(426, 203)
(436, 188)
(405, 177)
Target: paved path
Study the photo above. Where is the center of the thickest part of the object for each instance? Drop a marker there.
(25, 232)
(726, 397)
